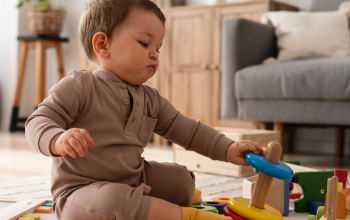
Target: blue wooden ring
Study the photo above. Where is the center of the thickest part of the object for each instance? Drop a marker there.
(280, 171)
(219, 205)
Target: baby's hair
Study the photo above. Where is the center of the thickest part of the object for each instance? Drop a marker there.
(106, 15)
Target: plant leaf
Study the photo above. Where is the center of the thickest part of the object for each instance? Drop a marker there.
(45, 4)
(20, 4)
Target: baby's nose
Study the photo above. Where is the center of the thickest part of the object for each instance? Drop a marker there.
(153, 56)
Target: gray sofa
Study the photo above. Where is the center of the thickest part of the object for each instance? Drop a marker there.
(303, 92)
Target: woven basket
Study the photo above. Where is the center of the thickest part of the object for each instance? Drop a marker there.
(47, 21)
(168, 3)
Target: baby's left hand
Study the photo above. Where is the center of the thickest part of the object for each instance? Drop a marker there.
(236, 151)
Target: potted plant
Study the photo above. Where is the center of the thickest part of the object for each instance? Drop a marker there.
(43, 17)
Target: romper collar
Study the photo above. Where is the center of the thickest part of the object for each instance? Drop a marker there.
(111, 76)
(107, 75)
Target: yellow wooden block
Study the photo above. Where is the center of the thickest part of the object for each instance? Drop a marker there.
(242, 207)
(43, 209)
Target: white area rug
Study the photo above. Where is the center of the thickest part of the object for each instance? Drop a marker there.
(38, 187)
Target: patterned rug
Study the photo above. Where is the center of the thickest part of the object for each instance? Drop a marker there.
(38, 187)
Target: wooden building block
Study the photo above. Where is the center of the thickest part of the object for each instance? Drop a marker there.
(196, 162)
(278, 196)
(313, 207)
(314, 186)
(286, 198)
(36, 216)
(342, 203)
(43, 209)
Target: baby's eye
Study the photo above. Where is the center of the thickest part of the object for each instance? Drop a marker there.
(143, 44)
(158, 51)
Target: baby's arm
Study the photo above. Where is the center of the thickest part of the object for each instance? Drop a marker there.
(50, 121)
(199, 137)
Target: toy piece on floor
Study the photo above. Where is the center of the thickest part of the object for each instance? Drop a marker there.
(219, 205)
(26, 218)
(48, 204)
(314, 185)
(43, 209)
(313, 207)
(294, 195)
(342, 203)
(342, 176)
(221, 199)
(206, 208)
(278, 196)
(197, 197)
(319, 214)
(228, 212)
(331, 207)
(269, 167)
(36, 216)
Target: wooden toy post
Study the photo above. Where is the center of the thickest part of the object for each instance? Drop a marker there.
(332, 189)
(263, 183)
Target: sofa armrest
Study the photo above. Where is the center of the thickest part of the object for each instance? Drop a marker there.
(244, 43)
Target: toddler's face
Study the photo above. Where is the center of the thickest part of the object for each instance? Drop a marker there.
(134, 49)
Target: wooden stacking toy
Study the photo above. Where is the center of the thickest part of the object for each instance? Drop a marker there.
(269, 167)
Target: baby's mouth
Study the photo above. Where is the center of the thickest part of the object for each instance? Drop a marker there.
(152, 66)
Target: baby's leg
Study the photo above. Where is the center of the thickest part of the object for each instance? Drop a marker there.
(104, 201)
(170, 182)
(172, 193)
(161, 209)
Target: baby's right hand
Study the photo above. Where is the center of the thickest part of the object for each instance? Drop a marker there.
(72, 142)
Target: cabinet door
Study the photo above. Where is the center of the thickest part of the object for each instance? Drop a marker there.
(250, 10)
(188, 49)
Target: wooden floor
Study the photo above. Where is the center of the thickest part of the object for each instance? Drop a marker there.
(24, 172)
(19, 159)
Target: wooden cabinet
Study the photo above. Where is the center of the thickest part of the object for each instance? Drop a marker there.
(191, 77)
(188, 55)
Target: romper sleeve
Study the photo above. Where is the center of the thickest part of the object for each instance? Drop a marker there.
(189, 133)
(55, 113)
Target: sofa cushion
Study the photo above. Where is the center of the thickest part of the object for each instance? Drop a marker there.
(300, 34)
(314, 79)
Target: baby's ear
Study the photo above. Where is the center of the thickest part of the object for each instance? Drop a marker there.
(100, 44)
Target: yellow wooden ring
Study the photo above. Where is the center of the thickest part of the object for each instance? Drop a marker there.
(241, 207)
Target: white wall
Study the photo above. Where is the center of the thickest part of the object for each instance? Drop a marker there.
(14, 21)
(8, 58)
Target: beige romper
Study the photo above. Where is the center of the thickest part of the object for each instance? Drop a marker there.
(112, 180)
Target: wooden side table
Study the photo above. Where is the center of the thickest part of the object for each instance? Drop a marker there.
(40, 43)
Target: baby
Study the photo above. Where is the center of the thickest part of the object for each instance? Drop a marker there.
(96, 125)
